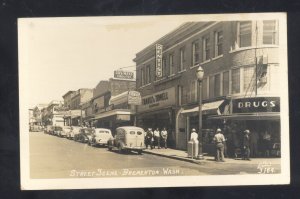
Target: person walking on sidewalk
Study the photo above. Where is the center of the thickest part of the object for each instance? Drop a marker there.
(246, 145)
(149, 138)
(219, 140)
(164, 136)
(157, 138)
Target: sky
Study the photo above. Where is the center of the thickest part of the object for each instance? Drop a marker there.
(62, 54)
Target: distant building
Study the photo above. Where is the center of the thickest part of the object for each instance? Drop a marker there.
(240, 86)
(53, 113)
(67, 98)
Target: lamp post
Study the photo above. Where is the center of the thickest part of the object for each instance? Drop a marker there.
(200, 74)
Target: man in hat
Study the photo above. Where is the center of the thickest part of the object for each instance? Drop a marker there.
(219, 140)
(194, 136)
(246, 145)
(149, 138)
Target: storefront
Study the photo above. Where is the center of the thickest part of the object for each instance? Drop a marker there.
(188, 118)
(158, 111)
(260, 115)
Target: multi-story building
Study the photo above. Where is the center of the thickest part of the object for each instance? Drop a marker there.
(239, 89)
(67, 98)
(53, 114)
(110, 102)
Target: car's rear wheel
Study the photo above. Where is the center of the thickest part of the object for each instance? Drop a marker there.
(120, 150)
(140, 152)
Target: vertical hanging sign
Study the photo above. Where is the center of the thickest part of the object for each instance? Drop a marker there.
(158, 59)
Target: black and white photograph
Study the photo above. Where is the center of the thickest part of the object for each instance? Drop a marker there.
(153, 101)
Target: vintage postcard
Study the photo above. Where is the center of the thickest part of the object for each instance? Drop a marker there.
(153, 101)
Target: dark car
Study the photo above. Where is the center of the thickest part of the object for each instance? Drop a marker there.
(84, 135)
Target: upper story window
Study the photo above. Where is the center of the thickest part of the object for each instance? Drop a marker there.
(182, 59)
(249, 79)
(171, 64)
(235, 76)
(148, 74)
(217, 89)
(164, 67)
(206, 48)
(244, 33)
(204, 88)
(218, 43)
(142, 76)
(270, 32)
(193, 91)
(226, 83)
(195, 53)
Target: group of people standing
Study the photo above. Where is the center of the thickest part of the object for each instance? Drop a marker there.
(221, 147)
(156, 138)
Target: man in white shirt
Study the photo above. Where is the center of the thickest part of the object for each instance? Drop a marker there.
(157, 138)
(194, 136)
(164, 136)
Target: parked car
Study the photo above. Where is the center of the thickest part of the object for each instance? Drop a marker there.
(128, 138)
(100, 136)
(74, 131)
(66, 130)
(84, 135)
(57, 130)
(49, 129)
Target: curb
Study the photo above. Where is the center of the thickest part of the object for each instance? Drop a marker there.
(176, 157)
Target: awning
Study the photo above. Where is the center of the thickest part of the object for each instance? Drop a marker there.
(207, 108)
(253, 116)
(114, 112)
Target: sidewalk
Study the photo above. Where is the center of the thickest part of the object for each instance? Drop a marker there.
(183, 156)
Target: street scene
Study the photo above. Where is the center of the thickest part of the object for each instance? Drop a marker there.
(54, 157)
(144, 97)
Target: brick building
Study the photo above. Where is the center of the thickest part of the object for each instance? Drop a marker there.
(239, 89)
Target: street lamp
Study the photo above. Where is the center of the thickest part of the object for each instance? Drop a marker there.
(200, 74)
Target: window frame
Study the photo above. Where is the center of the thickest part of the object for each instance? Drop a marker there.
(218, 43)
(206, 48)
(243, 34)
(274, 33)
(195, 52)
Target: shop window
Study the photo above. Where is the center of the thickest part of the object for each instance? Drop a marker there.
(211, 86)
(206, 48)
(218, 43)
(235, 76)
(226, 83)
(244, 33)
(171, 63)
(217, 85)
(269, 32)
(195, 53)
(182, 59)
(249, 79)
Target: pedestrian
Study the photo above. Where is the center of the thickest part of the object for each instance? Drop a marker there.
(157, 138)
(164, 136)
(253, 144)
(149, 138)
(266, 143)
(219, 140)
(194, 136)
(246, 145)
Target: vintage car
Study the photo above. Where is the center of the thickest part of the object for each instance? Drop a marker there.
(100, 136)
(65, 131)
(49, 129)
(57, 130)
(84, 135)
(128, 138)
(74, 131)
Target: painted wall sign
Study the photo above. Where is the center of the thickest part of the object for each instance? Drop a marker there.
(122, 74)
(134, 98)
(158, 59)
(257, 104)
(158, 100)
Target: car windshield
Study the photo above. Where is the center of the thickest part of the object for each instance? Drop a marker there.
(58, 128)
(102, 132)
(132, 132)
(88, 131)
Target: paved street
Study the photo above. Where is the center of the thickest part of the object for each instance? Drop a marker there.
(54, 157)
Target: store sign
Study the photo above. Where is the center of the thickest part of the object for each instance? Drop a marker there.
(123, 117)
(134, 98)
(121, 74)
(158, 59)
(158, 100)
(255, 105)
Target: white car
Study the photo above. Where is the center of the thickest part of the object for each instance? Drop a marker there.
(74, 131)
(65, 131)
(100, 136)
